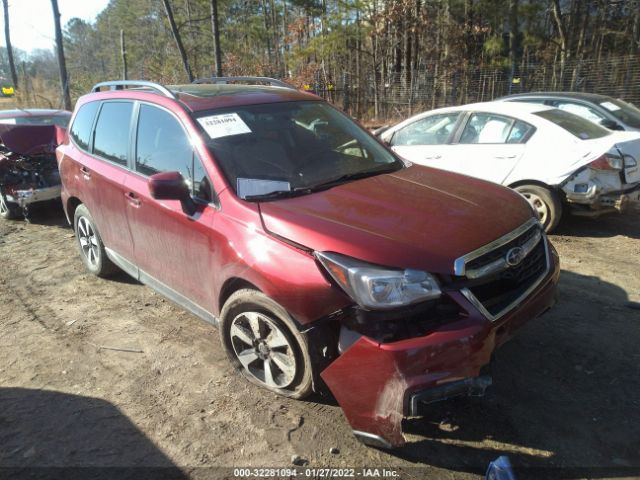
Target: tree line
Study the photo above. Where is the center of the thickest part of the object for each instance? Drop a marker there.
(363, 47)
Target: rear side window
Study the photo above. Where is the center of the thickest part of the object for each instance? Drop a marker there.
(162, 145)
(575, 125)
(111, 139)
(486, 128)
(80, 131)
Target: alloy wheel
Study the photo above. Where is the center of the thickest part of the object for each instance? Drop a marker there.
(263, 349)
(538, 205)
(88, 241)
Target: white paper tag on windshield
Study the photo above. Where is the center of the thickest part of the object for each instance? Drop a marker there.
(224, 125)
(247, 187)
(612, 107)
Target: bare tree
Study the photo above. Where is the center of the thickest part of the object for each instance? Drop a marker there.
(215, 30)
(176, 36)
(62, 66)
(7, 36)
(123, 54)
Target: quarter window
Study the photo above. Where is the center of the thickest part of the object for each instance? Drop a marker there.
(163, 146)
(520, 132)
(111, 139)
(80, 131)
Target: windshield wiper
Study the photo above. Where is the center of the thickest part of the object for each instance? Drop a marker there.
(277, 194)
(352, 176)
(298, 191)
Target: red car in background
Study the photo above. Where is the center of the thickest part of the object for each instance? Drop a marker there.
(28, 168)
(325, 259)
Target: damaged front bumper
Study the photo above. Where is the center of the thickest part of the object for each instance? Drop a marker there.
(379, 384)
(27, 197)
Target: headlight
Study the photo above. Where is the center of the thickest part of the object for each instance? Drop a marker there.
(379, 288)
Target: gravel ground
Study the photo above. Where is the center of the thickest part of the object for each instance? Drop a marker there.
(565, 401)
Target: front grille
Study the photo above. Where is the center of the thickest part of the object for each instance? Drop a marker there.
(509, 285)
(501, 251)
(494, 286)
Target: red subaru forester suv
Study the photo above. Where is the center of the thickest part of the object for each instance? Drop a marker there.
(325, 260)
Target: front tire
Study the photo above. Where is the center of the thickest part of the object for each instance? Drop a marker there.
(90, 244)
(263, 344)
(545, 202)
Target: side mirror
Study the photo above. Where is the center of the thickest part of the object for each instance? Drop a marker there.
(611, 124)
(172, 186)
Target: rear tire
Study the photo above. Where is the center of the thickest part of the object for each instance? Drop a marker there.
(8, 210)
(545, 202)
(264, 345)
(92, 251)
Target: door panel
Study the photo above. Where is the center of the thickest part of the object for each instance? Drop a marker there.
(171, 246)
(488, 162)
(110, 213)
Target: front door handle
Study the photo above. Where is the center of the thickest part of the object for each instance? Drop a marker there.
(436, 157)
(133, 199)
(504, 157)
(86, 173)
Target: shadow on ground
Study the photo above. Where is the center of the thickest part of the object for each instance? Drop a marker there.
(571, 374)
(48, 434)
(46, 213)
(626, 224)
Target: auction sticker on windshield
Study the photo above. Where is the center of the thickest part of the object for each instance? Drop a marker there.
(610, 106)
(223, 125)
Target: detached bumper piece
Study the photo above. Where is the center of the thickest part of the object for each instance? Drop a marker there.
(26, 197)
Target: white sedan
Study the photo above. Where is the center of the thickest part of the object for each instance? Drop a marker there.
(554, 158)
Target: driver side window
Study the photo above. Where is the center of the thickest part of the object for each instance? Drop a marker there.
(433, 130)
(162, 145)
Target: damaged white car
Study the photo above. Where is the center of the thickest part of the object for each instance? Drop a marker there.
(557, 160)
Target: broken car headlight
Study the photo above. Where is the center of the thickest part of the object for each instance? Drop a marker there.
(379, 288)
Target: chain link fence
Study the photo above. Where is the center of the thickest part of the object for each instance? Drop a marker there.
(399, 96)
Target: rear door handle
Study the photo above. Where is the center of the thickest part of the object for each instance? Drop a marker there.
(504, 157)
(86, 173)
(133, 199)
(436, 157)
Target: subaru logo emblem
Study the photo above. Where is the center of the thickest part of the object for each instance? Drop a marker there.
(514, 256)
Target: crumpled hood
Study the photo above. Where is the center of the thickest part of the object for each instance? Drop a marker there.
(417, 217)
(31, 139)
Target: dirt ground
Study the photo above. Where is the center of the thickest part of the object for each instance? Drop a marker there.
(565, 401)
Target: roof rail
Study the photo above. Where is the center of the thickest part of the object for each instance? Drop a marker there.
(121, 84)
(271, 81)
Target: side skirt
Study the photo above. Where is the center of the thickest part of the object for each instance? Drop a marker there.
(164, 290)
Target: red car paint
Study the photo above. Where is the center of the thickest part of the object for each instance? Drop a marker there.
(414, 218)
(31, 139)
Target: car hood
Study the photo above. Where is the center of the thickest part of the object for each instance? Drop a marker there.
(31, 139)
(417, 217)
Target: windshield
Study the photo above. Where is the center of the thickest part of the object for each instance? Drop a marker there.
(623, 111)
(59, 120)
(290, 147)
(575, 125)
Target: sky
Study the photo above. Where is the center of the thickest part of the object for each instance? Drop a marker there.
(31, 21)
